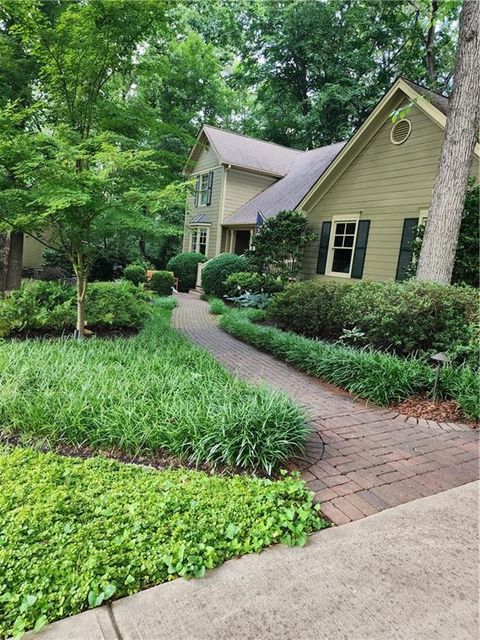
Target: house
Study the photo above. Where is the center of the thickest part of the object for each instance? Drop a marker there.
(363, 197)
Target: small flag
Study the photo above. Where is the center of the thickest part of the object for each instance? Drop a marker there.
(260, 219)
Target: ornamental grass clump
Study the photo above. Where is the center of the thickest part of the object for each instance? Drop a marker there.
(153, 391)
(77, 533)
(382, 378)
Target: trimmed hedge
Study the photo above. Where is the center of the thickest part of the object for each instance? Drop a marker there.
(77, 533)
(379, 377)
(135, 273)
(405, 318)
(184, 267)
(162, 282)
(217, 270)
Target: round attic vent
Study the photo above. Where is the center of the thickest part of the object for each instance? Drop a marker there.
(400, 131)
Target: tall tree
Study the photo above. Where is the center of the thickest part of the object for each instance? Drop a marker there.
(437, 254)
(318, 68)
(78, 179)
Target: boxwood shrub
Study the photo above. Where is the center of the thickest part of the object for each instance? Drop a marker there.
(217, 270)
(184, 267)
(135, 273)
(406, 318)
(77, 533)
(162, 282)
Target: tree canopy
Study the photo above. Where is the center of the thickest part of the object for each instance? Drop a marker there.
(100, 100)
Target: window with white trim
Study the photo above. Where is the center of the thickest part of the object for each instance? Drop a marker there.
(199, 241)
(203, 190)
(342, 247)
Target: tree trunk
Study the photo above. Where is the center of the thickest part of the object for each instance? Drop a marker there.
(430, 43)
(15, 261)
(81, 275)
(4, 260)
(437, 254)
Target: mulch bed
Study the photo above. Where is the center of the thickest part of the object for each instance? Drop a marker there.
(159, 460)
(438, 410)
(106, 333)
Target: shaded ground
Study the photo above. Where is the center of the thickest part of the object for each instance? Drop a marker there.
(373, 458)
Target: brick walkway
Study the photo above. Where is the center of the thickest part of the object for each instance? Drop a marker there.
(373, 458)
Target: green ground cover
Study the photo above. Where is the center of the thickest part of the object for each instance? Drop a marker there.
(75, 533)
(153, 391)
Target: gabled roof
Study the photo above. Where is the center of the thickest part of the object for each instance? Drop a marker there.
(437, 99)
(434, 105)
(286, 194)
(245, 152)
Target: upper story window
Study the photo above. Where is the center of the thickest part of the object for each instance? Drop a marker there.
(203, 189)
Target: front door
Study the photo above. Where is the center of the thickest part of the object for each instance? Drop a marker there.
(242, 242)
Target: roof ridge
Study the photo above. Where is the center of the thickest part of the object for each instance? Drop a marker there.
(417, 84)
(243, 135)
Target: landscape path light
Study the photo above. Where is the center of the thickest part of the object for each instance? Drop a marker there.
(440, 359)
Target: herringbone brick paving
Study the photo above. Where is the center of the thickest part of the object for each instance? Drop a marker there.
(372, 458)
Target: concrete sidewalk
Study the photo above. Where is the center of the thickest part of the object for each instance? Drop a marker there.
(406, 573)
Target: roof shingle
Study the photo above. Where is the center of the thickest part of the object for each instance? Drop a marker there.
(287, 193)
(250, 153)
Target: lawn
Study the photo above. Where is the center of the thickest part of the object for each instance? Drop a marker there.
(74, 533)
(153, 392)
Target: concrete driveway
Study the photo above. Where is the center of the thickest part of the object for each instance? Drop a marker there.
(406, 573)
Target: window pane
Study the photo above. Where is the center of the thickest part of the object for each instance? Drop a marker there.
(351, 227)
(340, 228)
(338, 241)
(348, 242)
(204, 181)
(341, 260)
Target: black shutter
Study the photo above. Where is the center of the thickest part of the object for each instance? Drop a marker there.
(323, 248)
(406, 247)
(197, 191)
(209, 188)
(360, 249)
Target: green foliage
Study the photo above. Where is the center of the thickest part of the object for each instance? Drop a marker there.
(64, 167)
(466, 267)
(216, 272)
(184, 266)
(277, 247)
(217, 306)
(36, 306)
(248, 282)
(76, 533)
(162, 282)
(305, 96)
(405, 317)
(50, 307)
(153, 391)
(378, 377)
(135, 273)
(167, 303)
(116, 304)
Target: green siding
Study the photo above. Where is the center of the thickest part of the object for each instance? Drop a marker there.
(386, 183)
